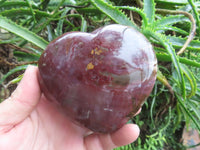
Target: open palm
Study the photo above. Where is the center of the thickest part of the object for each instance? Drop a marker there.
(28, 121)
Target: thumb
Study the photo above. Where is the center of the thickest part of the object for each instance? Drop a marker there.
(23, 100)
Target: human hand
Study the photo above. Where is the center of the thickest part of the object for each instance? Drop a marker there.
(28, 121)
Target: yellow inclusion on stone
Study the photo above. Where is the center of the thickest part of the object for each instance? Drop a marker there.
(96, 51)
(90, 66)
(92, 52)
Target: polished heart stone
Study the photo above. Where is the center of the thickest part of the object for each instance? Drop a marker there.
(99, 79)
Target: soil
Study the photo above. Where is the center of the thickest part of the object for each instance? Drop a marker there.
(7, 62)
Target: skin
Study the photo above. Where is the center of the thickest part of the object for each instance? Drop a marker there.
(28, 121)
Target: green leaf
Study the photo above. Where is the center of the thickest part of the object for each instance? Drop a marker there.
(60, 22)
(163, 41)
(178, 42)
(196, 14)
(180, 100)
(12, 71)
(153, 104)
(162, 29)
(173, 1)
(194, 109)
(170, 20)
(61, 2)
(43, 5)
(139, 11)
(17, 79)
(66, 2)
(164, 81)
(13, 4)
(113, 12)
(189, 75)
(31, 9)
(11, 13)
(186, 61)
(2, 1)
(149, 10)
(83, 22)
(22, 32)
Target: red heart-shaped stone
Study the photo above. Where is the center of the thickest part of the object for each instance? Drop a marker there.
(99, 79)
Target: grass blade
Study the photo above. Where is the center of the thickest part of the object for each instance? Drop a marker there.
(13, 12)
(163, 29)
(178, 42)
(16, 69)
(162, 39)
(22, 32)
(1, 2)
(114, 13)
(167, 58)
(196, 14)
(149, 10)
(188, 113)
(191, 80)
(139, 11)
(169, 20)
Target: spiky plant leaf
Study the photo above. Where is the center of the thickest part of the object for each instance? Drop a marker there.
(149, 10)
(22, 32)
(169, 20)
(113, 12)
(178, 42)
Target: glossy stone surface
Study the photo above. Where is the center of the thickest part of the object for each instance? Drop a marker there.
(100, 79)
